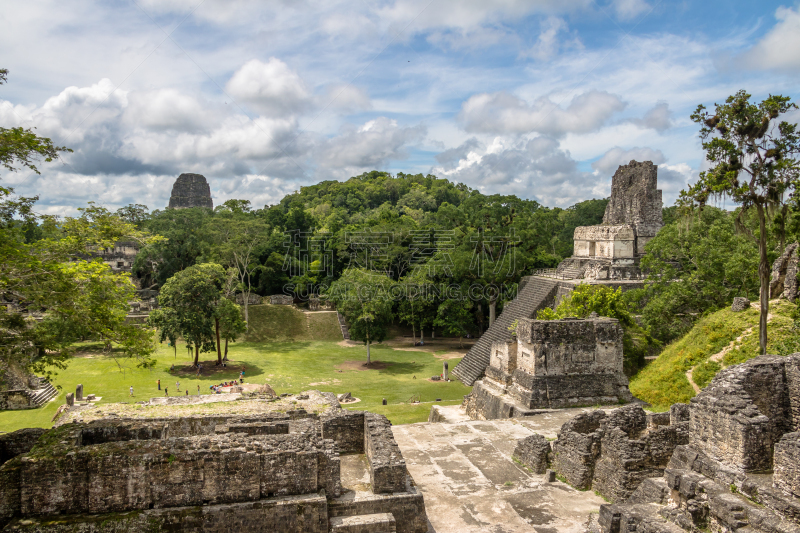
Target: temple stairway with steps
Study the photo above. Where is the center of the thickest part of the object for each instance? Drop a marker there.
(535, 293)
(343, 326)
(41, 396)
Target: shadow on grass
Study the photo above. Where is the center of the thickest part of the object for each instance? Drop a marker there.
(215, 372)
(397, 368)
(277, 347)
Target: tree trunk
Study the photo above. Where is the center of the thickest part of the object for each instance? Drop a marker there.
(413, 334)
(226, 351)
(763, 274)
(492, 311)
(219, 350)
(196, 355)
(368, 357)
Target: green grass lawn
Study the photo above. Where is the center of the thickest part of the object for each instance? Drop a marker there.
(287, 366)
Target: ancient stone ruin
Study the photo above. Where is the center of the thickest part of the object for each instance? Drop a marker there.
(191, 190)
(735, 466)
(607, 254)
(288, 471)
(783, 283)
(552, 364)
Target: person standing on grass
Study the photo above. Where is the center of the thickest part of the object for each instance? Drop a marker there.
(131, 393)
(198, 390)
(159, 384)
(187, 392)
(178, 386)
(166, 392)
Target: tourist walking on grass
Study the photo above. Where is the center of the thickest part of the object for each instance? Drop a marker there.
(166, 392)
(131, 390)
(198, 390)
(159, 384)
(178, 386)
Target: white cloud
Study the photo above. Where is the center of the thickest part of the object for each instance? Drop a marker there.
(369, 146)
(507, 114)
(630, 9)
(537, 168)
(170, 110)
(346, 98)
(658, 118)
(272, 87)
(617, 156)
(780, 48)
(550, 40)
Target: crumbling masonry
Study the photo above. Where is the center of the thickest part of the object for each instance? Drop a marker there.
(258, 473)
(552, 364)
(739, 470)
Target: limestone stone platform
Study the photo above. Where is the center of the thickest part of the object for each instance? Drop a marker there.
(464, 470)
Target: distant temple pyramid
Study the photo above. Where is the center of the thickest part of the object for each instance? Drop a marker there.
(606, 254)
(191, 190)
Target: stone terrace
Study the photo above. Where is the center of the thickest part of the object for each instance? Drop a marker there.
(464, 470)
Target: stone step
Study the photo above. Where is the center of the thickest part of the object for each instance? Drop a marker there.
(536, 292)
(367, 523)
(43, 395)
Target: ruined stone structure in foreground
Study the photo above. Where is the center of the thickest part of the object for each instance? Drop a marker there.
(266, 472)
(191, 190)
(607, 254)
(730, 459)
(552, 364)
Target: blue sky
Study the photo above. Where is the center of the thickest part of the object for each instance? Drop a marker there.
(538, 98)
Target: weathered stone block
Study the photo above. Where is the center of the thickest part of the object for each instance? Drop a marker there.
(533, 452)
(387, 468)
(787, 464)
(345, 428)
(577, 448)
(740, 304)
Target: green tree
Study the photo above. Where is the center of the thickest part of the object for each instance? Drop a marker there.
(365, 300)
(694, 266)
(190, 299)
(231, 324)
(752, 161)
(605, 301)
(455, 318)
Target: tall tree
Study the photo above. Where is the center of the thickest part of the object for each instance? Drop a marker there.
(365, 300)
(752, 157)
(190, 298)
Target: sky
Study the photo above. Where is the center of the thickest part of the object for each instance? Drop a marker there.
(543, 99)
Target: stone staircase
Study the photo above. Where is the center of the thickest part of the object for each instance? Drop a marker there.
(343, 326)
(535, 293)
(370, 523)
(42, 395)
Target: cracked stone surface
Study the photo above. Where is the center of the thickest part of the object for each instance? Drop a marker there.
(470, 483)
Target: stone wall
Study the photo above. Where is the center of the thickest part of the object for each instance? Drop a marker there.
(739, 470)
(387, 468)
(346, 428)
(18, 442)
(291, 514)
(607, 242)
(741, 414)
(15, 400)
(569, 346)
(533, 452)
(613, 453)
(127, 475)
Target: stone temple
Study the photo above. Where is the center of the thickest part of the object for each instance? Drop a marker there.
(606, 254)
(552, 364)
(190, 190)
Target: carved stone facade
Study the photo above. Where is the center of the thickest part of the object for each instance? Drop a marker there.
(739, 470)
(632, 219)
(191, 190)
(552, 364)
(262, 473)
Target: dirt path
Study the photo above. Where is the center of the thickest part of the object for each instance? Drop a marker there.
(720, 355)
